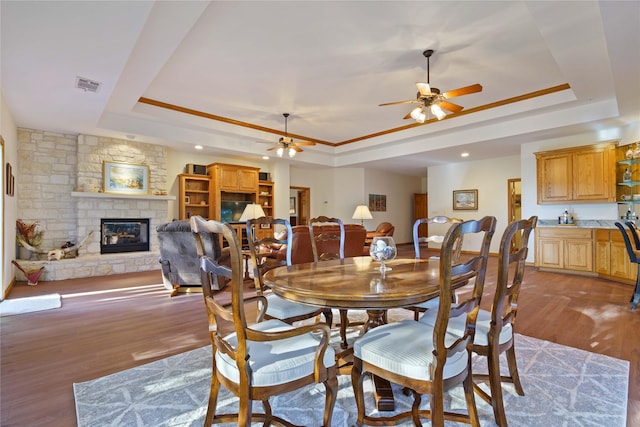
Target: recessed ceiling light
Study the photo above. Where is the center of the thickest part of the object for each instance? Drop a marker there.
(131, 137)
(198, 147)
(464, 155)
(265, 157)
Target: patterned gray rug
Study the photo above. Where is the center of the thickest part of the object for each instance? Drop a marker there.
(563, 387)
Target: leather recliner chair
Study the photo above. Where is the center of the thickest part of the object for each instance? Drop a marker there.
(383, 229)
(179, 258)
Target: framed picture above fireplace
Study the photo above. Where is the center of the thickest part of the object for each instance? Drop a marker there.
(125, 178)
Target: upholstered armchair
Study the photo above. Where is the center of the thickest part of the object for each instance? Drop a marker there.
(384, 229)
(179, 258)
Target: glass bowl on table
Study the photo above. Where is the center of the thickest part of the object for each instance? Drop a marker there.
(383, 249)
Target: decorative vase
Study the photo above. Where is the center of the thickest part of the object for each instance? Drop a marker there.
(24, 253)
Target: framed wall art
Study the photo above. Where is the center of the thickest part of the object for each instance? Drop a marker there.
(125, 178)
(377, 202)
(465, 200)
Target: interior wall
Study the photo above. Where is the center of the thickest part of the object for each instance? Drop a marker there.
(399, 191)
(9, 132)
(489, 177)
(337, 192)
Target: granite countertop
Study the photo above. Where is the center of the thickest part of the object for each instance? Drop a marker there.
(580, 223)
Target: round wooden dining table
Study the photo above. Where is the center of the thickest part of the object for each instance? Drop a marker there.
(357, 283)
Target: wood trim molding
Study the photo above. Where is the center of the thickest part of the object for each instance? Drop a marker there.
(479, 108)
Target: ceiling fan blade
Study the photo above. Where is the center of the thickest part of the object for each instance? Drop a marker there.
(399, 102)
(298, 149)
(446, 105)
(303, 143)
(424, 89)
(275, 147)
(463, 91)
(408, 116)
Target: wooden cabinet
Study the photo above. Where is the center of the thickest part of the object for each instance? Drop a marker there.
(612, 260)
(581, 174)
(234, 178)
(564, 248)
(233, 184)
(194, 193)
(265, 199)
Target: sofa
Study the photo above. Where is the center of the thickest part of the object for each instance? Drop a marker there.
(302, 252)
(179, 258)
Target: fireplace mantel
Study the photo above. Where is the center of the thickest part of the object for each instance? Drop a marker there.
(120, 196)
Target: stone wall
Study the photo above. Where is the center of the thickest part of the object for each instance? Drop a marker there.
(59, 184)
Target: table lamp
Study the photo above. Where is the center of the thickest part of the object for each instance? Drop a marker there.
(362, 213)
(251, 211)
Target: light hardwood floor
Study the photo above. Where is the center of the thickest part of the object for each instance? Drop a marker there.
(108, 324)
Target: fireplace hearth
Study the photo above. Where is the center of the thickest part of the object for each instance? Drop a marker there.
(119, 235)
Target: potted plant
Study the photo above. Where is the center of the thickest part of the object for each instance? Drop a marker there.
(28, 237)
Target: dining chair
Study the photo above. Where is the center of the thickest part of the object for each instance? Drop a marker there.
(423, 358)
(417, 241)
(634, 258)
(262, 360)
(633, 228)
(327, 246)
(263, 260)
(495, 328)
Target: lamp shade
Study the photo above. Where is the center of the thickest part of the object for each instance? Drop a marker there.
(362, 212)
(251, 211)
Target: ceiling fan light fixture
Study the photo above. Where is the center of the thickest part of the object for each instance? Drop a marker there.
(280, 151)
(438, 112)
(418, 115)
(292, 152)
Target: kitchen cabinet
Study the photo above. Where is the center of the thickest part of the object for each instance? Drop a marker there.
(611, 260)
(564, 248)
(580, 174)
(193, 196)
(628, 193)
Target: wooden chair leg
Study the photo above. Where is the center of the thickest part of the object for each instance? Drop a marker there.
(635, 297)
(331, 391)
(213, 397)
(495, 384)
(358, 392)
(344, 322)
(513, 370)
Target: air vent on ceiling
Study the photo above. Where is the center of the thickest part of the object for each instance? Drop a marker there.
(87, 84)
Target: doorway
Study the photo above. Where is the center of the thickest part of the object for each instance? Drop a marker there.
(299, 205)
(514, 186)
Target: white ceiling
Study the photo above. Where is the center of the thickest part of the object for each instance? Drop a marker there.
(328, 64)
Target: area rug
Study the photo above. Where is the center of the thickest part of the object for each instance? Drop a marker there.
(563, 386)
(9, 307)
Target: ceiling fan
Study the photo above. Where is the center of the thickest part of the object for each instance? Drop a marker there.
(432, 100)
(286, 143)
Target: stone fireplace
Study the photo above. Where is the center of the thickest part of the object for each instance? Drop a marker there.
(60, 187)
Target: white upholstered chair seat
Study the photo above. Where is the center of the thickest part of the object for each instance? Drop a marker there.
(275, 362)
(457, 324)
(281, 308)
(406, 348)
